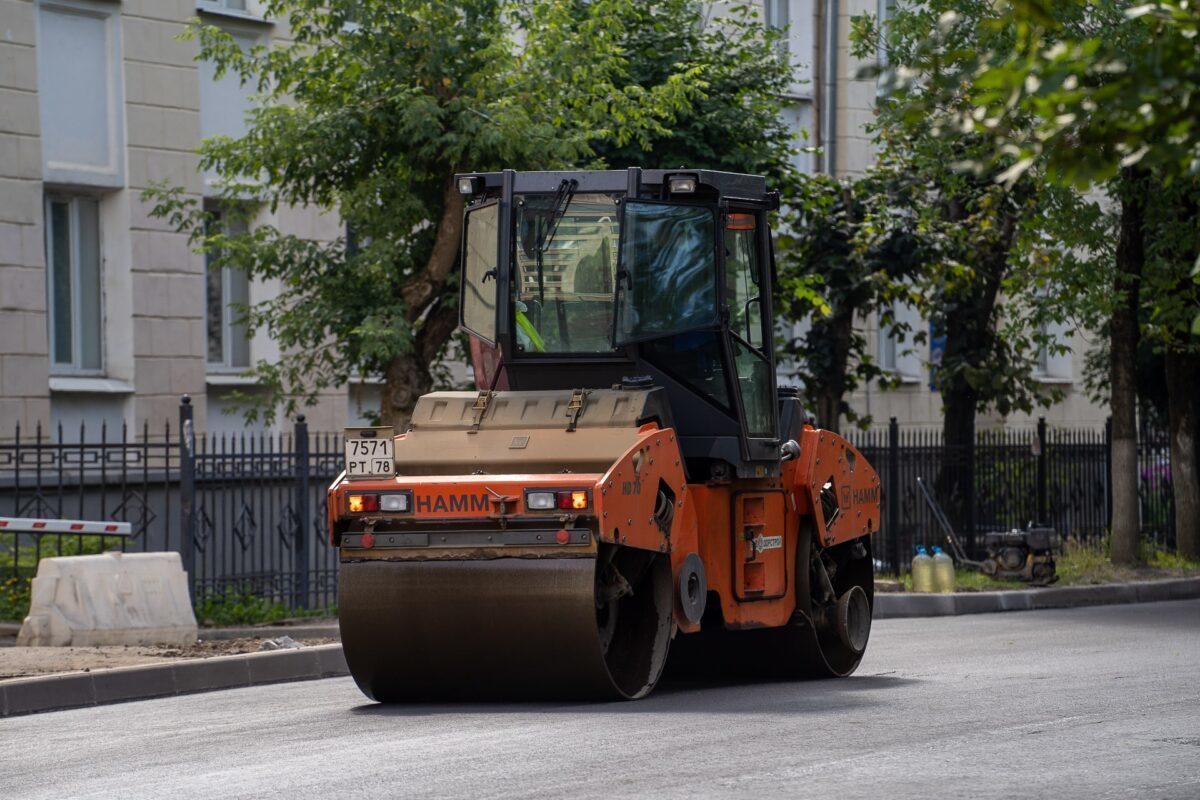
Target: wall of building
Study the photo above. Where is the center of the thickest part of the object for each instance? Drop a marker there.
(99, 101)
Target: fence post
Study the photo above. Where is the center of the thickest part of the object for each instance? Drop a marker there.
(1108, 473)
(300, 545)
(187, 493)
(893, 494)
(1043, 516)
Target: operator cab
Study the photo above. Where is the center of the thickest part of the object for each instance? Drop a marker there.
(638, 278)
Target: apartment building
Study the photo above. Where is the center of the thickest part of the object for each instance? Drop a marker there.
(836, 108)
(106, 315)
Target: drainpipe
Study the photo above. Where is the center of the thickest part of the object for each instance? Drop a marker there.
(829, 89)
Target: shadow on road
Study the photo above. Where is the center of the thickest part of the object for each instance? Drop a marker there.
(679, 696)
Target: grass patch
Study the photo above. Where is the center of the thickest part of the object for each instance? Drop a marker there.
(1085, 564)
(237, 609)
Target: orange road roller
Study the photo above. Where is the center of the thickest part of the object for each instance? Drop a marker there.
(627, 492)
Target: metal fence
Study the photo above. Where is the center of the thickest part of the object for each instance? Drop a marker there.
(246, 512)
(1006, 479)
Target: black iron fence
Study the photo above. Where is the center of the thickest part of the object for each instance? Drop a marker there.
(248, 512)
(1006, 479)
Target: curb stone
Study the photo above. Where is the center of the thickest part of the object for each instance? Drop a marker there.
(143, 682)
(908, 604)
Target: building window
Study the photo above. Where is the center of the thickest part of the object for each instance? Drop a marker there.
(79, 93)
(227, 297)
(224, 102)
(73, 284)
(225, 5)
(887, 347)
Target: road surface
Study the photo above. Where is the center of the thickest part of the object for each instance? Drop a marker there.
(1083, 703)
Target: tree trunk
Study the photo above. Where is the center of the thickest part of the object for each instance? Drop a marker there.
(408, 374)
(956, 478)
(1181, 369)
(831, 394)
(1123, 328)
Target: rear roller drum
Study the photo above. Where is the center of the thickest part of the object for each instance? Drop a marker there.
(507, 627)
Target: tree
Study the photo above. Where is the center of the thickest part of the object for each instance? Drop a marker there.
(987, 286)
(1091, 92)
(369, 112)
(849, 249)
(735, 124)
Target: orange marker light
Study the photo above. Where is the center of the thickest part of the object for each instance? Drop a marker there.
(572, 500)
(363, 502)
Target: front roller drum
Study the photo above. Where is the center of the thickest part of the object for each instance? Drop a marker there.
(506, 628)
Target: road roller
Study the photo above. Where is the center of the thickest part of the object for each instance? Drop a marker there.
(627, 491)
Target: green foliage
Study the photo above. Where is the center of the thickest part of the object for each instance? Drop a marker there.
(1084, 92)
(1084, 88)
(1003, 256)
(734, 124)
(848, 248)
(369, 121)
(14, 598)
(243, 607)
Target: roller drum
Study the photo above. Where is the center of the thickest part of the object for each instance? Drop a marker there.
(502, 628)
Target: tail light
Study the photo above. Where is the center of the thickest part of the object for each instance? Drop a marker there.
(363, 503)
(573, 500)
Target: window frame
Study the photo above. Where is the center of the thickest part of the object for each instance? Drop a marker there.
(718, 244)
(734, 338)
(228, 322)
(110, 175)
(462, 289)
(75, 367)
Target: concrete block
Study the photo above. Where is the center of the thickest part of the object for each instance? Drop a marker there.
(20, 157)
(22, 289)
(154, 41)
(110, 599)
(24, 376)
(20, 201)
(202, 675)
(18, 65)
(163, 128)
(33, 246)
(283, 665)
(160, 336)
(19, 112)
(176, 167)
(10, 243)
(16, 22)
(28, 695)
(166, 10)
(134, 683)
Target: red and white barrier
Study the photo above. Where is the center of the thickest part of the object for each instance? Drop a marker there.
(26, 525)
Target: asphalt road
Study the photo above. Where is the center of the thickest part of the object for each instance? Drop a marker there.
(1083, 703)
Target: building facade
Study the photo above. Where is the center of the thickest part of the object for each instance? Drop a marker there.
(106, 313)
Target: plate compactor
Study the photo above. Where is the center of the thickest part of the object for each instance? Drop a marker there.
(626, 481)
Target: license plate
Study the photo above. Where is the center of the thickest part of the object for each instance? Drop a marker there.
(370, 453)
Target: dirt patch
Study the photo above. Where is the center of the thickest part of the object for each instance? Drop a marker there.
(22, 662)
